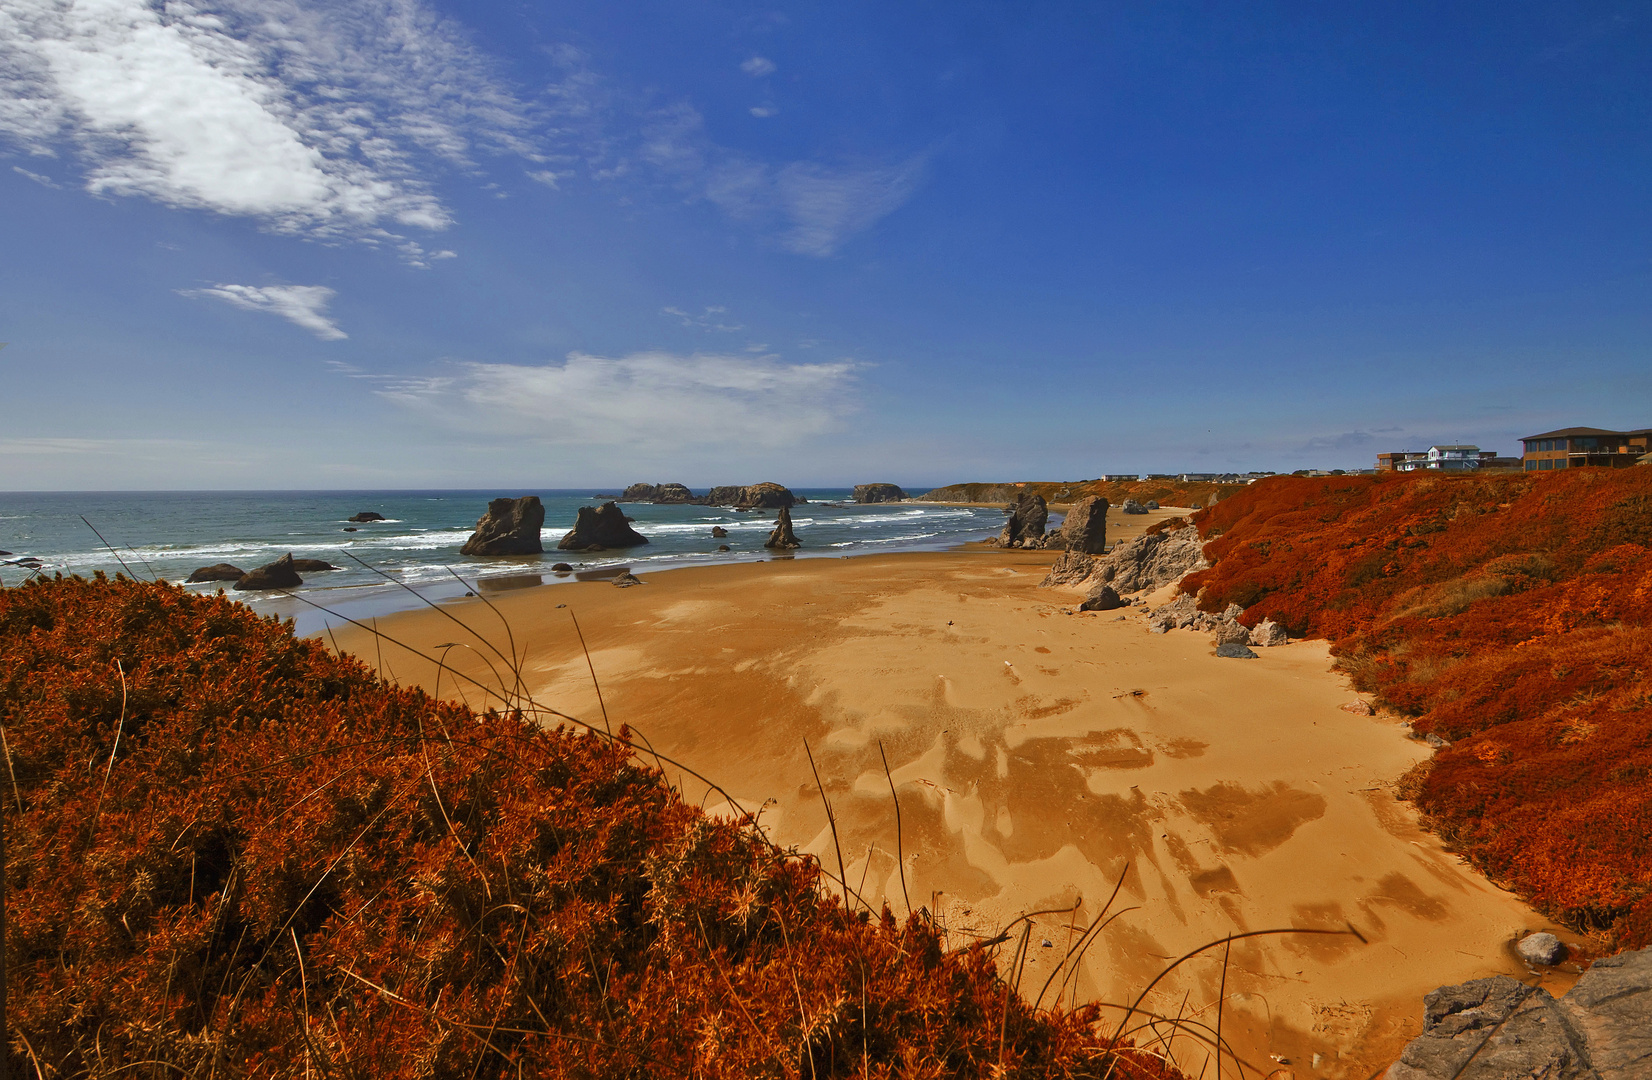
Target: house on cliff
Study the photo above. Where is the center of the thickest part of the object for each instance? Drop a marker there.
(1585, 447)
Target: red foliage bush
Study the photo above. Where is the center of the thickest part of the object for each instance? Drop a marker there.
(1511, 614)
(230, 852)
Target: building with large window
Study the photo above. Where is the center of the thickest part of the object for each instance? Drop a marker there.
(1580, 447)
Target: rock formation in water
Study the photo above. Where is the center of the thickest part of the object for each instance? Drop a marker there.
(510, 527)
(312, 566)
(217, 572)
(751, 495)
(718, 532)
(667, 494)
(878, 493)
(597, 528)
(276, 575)
(782, 537)
(365, 515)
(1500, 1028)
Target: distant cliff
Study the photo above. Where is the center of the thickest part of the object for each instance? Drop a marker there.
(1165, 492)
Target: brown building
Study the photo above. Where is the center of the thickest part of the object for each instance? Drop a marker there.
(1580, 447)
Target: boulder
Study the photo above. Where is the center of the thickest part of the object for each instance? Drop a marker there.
(718, 532)
(1230, 631)
(276, 575)
(1025, 528)
(1103, 599)
(365, 515)
(1152, 504)
(1499, 1028)
(597, 528)
(751, 495)
(1131, 506)
(217, 572)
(562, 568)
(878, 493)
(1358, 708)
(510, 527)
(782, 537)
(1235, 651)
(1143, 564)
(1267, 633)
(312, 566)
(1073, 568)
(723, 547)
(1541, 949)
(349, 528)
(1085, 527)
(626, 580)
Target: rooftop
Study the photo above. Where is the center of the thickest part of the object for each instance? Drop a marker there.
(1574, 432)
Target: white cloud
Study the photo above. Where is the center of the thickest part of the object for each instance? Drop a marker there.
(706, 320)
(302, 305)
(758, 66)
(645, 401)
(44, 181)
(763, 112)
(316, 121)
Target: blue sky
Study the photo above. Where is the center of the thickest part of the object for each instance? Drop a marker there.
(282, 243)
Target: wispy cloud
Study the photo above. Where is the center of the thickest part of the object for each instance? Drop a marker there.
(644, 401)
(763, 112)
(758, 66)
(302, 305)
(43, 181)
(709, 319)
(319, 121)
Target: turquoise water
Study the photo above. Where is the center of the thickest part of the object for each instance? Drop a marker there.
(169, 534)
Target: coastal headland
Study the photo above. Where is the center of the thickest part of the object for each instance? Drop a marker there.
(1040, 757)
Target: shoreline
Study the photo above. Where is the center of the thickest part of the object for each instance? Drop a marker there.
(1037, 755)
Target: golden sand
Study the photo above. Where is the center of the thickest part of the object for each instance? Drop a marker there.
(1039, 754)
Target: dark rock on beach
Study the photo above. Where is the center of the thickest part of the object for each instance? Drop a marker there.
(365, 515)
(1084, 529)
(1025, 528)
(217, 572)
(626, 580)
(782, 537)
(1103, 599)
(1500, 1028)
(1235, 651)
(597, 528)
(562, 568)
(276, 575)
(878, 493)
(510, 527)
(1131, 506)
(312, 566)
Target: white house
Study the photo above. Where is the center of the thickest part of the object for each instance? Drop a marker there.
(1443, 457)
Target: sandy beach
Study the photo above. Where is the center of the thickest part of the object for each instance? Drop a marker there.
(1039, 754)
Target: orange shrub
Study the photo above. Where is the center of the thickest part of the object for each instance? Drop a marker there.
(1511, 614)
(230, 852)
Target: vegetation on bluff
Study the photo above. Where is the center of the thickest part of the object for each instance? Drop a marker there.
(1509, 614)
(234, 853)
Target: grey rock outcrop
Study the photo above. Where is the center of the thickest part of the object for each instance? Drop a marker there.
(1267, 633)
(1235, 651)
(1148, 562)
(1152, 504)
(1499, 1028)
(217, 572)
(1131, 506)
(782, 536)
(626, 580)
(597, 528)
(1025, 528)
(1541, 948)
(1084, 529)
(510, 527)
(1230, 631)
(276, 575)
(878, 493)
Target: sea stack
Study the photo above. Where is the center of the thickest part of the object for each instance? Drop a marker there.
(1025, 528)
(276, 575)
(1085, 527)
(783, 537)
(510, 527)
(878, 493)
(599, 527)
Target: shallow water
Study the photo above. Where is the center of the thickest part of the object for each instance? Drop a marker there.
(170, 534)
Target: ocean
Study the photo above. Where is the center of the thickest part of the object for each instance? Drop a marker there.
(169, 534)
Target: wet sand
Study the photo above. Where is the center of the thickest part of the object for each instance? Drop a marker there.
(1039, 755)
